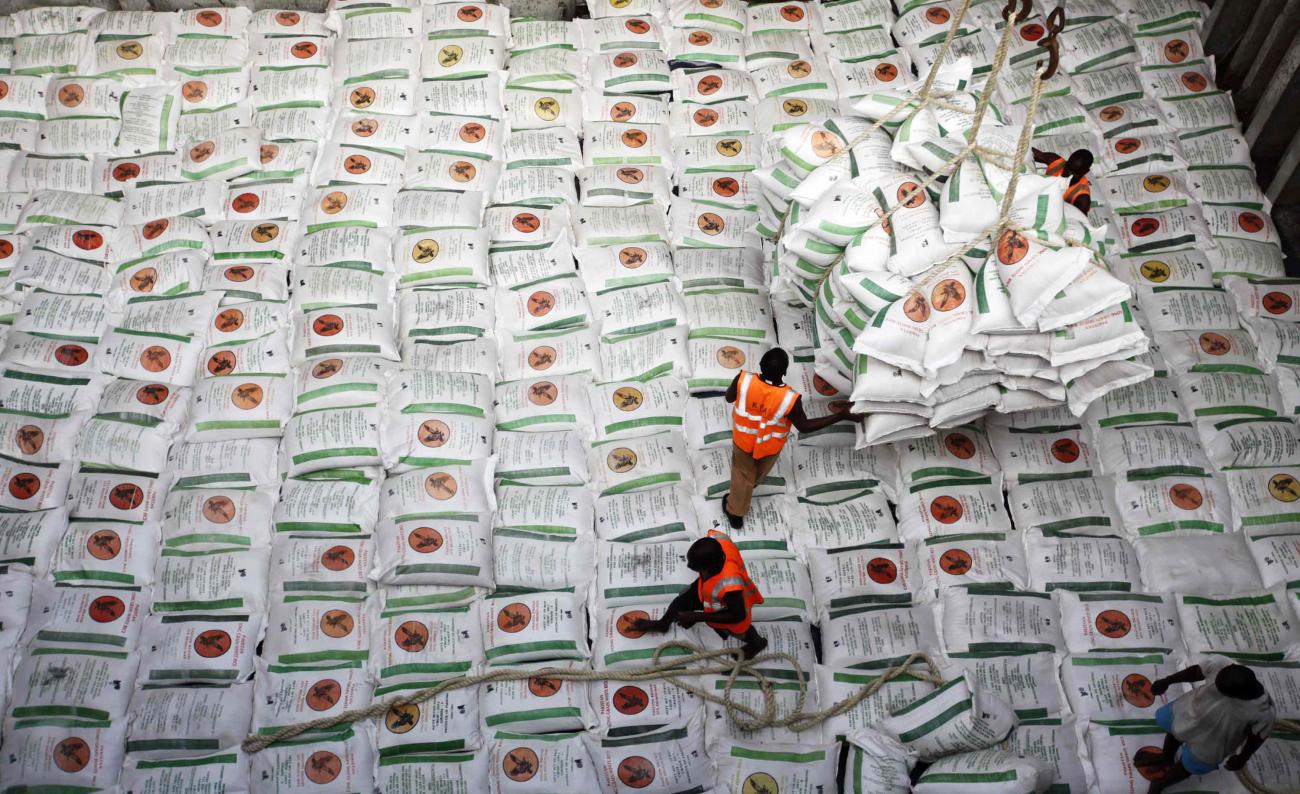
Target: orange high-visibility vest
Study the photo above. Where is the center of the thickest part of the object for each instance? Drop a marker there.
(1075, 191)
(731, 578)
(760, 421)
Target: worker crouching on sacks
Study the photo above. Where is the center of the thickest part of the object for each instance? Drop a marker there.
(1079, 193)
(765, 408)
(723, 596)
(1233, 713)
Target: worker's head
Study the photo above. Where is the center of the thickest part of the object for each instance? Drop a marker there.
(705, 557)
(1080, 161)
(1238, 681)
(773, 365)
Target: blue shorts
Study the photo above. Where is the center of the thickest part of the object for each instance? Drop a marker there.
(1193, 765)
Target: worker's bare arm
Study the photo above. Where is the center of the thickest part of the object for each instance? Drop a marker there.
(1189, 675)
(730, 396)
(687, 601)
(1253, 743)
(803, 424)
(1083, 203)
(1043, 157)
(733, 611)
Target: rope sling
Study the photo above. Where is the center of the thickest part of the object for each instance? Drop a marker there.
(727, 662)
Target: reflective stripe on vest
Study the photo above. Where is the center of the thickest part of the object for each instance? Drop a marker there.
(1074, 191)
(758, 434)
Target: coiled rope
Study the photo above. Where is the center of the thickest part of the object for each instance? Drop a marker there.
(742, 715)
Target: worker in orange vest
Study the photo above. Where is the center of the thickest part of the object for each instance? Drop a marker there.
(1079, 193)
(723, 596)
(765, 409)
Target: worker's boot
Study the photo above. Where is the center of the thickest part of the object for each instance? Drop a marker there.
(736, 522)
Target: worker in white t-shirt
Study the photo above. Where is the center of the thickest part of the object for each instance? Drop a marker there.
(1225, 721)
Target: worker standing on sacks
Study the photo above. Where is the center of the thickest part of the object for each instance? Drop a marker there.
(765, 409)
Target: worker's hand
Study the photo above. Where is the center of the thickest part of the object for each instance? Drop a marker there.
(650, 626)
(1037, 152)
(1234, 763)
(1159, 687)
(857, 417)
(688, 619)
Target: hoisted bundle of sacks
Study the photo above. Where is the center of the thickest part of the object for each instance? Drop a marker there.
(932, 325)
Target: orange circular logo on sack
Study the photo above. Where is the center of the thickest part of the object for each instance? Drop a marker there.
(916, 309)
(630, 700)
(622, 111)
(1284, 488)
(441, 486)
(194, 91)
(152, 394)
(544, 687)
(705, 117)
(4, 89)
(1136, 689)
(70, 95)
(87, 240)
(1194, 81)
(937, 15)
(526, 223)
(469, 14)
(886, 72)
(71, 355)
(520, 764)
(730, 357)
(246, 396)
(424, 540)
(1156, 183)
(336, 623)
(623, 60)
(946, 510)
(1128, 145)
(1276, 302)
(948, 295)
(543, 393)
(699, 38)
(955, 562)
(29, 439)
(106, 609)
(362, 97)
(124, 172)
(1032, 31)
(632, 176)
(104, 544)
(1154, 270)
(627, 398)
(228, 320)
(212, 643)
(332, 203)
(72, 755)
(1213, 344)
(726, 186)
(268, 152)
(541, 358)
(327, 325)
(728, 147)
(154, 229)
(621, 460)
(288, 18)
(338, 558)
(882, 571)
(401, 719)
(304, 49)
(238, 274)
(1177, 50)
(1113, 624)
(637, 26)
(208, 18)
(632, 257)
(514, 618)
(709, 84)
(356, 164)
(323, 695)
(711, 223)
(1066, 450)
(462, 171)
(540, 303)
(799, 69)
(1185, 497)
(327, 368)
(1250, 222)
(411, 636)
(219, 509)
(824, 388)
(433, 433)
(1012, 247)
(634, 139)
(791, 13)
(322, 767)
(1111, 113)
(126, 496)
(6, 249)
(472, 132)
(143, 280)
(155, 358)
(826, 145)
(1144, 227)
(24, 485)
(626, 623)
(636, 772)
(959, 445)
(245, 202)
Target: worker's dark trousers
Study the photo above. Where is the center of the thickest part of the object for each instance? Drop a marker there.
(746, 474)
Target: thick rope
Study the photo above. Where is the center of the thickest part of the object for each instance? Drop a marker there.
(743, 716)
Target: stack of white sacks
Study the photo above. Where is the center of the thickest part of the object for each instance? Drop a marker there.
(306, 405)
